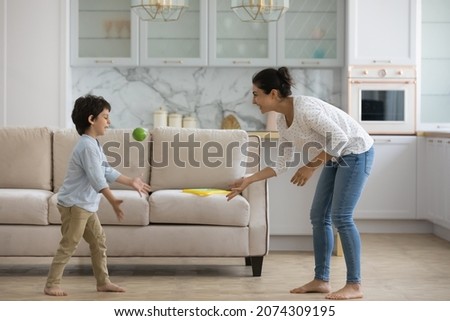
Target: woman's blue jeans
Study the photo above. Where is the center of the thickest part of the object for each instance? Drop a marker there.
(338, 190)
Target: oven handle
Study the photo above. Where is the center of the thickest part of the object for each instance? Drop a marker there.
(382, 82)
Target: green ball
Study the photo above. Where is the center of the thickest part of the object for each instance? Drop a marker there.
(140, 134)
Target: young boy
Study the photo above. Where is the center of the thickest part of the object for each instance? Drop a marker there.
(87, 176)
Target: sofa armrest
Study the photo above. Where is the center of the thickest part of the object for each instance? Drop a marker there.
(258, 197)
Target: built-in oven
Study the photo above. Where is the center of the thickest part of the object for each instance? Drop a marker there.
(383, 99)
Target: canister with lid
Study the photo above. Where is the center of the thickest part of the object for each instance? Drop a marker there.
(189, 122)
(160, 118)
(175, 120)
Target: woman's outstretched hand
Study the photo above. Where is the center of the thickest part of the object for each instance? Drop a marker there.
(237, 187)
(302, 175)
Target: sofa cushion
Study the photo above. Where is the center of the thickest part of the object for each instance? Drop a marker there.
(125, 154)
(178, 207)
(196, 158)
(64, 141)
(129, 157)
(25, 158)
(24, 206)
(135, 208)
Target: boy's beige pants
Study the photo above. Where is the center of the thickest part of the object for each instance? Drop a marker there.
(78, 223)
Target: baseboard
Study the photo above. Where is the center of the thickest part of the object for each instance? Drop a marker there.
(395, 226)
(290, 243)
(304, 242)
(441, 232)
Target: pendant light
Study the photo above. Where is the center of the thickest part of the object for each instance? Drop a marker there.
(159, 10)
(259, 10)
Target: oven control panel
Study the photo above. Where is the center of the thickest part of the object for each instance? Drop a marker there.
(380, 72)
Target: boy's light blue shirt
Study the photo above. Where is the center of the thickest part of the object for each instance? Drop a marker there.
(88, 173)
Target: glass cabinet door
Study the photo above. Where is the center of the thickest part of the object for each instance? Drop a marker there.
(180, 42)
(311, 32)
(236, 43)
(103, 32)
(434, 106)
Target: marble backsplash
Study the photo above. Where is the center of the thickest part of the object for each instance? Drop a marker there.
(207, 93)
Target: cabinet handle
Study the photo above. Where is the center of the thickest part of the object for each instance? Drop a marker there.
(103, 61)
(383, 140)
(382, 61)
(241, 62)
(310, 62)
(178, 62)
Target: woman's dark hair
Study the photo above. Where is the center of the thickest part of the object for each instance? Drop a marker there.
(271, 78)
(86, 106)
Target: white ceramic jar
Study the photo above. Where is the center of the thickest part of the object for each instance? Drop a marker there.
(160, 118)
(189, 122)
(175, 120)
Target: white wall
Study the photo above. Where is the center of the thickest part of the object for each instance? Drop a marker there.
(32, 63)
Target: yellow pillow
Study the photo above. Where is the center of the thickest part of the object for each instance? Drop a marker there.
(205, 191)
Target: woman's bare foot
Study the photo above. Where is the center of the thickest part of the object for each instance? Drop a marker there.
(110, 287)
(315, 286)
(54, 291)
(349, 291)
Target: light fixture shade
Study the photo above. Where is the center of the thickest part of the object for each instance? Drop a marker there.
(259, 10)
(159, 10)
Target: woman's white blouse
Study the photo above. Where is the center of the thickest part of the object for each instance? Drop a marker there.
(317, 126)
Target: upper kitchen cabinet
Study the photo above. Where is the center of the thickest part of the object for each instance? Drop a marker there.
(382, 32)
(103, 32)
(311, 33)
(176, 43)
(435, 80)
(236, 43)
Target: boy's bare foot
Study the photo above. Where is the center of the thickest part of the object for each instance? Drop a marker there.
(110, 287)
(54, 291)
(349, 291)
(315, 286)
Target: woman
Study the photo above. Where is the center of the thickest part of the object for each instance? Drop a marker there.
(347, 152)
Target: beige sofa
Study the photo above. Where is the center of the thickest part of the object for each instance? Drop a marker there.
(167, 223)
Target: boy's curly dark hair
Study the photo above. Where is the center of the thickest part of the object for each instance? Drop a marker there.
(86, 106)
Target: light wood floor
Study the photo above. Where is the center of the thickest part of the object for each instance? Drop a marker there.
(395, 267)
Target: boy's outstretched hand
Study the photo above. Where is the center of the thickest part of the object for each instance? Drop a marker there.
(140, 186)
(116, 206)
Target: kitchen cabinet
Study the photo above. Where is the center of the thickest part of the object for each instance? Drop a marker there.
(208, 33)
(390, 192)
(446, 188)
(289, 204)
(382, 32)
(311, 33)
(436, 181)
(435, 90)
(236, 43)
(107, 32)
(103, 32)
(178, 43)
